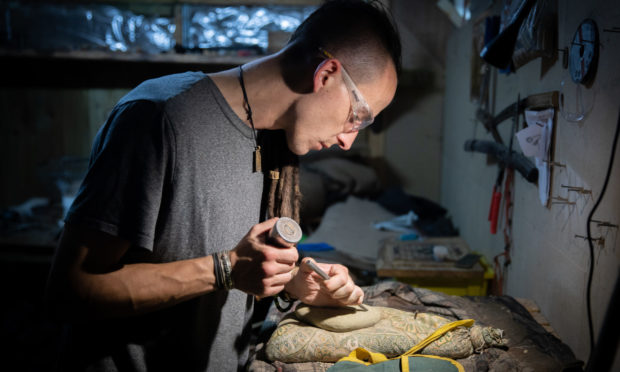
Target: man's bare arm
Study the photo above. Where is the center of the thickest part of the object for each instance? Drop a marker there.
(87, 280)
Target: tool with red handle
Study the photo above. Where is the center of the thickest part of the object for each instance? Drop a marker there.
(496, 200)
(494, 209)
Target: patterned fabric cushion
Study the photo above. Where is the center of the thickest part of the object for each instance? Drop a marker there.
(397, 331)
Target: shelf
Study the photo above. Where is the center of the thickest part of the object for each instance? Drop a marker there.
(201, 2)
(100, 69)
(189, 58)
(103, 68)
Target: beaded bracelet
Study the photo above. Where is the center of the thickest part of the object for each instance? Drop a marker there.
(222, 269)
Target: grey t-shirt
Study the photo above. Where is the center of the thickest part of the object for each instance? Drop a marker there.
(171, 171)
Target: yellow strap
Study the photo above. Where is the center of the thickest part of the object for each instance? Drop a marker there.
(363, 356)
(404, 363)
(438, 333)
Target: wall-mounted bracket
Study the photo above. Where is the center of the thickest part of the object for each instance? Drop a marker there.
(599, 240)
(578, 189)
(604, 224)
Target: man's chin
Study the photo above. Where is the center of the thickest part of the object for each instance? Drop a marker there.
(299, 151)
(303, 150)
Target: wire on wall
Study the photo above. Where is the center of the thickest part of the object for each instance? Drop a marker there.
(590, 240)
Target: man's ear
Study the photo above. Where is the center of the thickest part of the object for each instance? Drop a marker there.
(324, 72)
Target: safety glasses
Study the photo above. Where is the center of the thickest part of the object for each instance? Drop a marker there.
(361, 115)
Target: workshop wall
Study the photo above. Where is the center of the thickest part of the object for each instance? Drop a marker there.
(410, 143)
(41, 126)
(549, 264)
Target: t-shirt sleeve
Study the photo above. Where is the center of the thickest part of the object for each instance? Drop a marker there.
(129, 176)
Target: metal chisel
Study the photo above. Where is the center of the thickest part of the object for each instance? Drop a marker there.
(323, 275)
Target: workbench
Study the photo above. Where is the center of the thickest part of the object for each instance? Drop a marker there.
(412, 262)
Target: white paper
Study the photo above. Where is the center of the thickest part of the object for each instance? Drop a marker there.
(531, 141)
(544, 177)
(543, 120)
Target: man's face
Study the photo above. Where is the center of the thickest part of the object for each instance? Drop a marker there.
(324, 118)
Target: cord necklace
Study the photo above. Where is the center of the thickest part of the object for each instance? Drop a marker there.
(248, 110)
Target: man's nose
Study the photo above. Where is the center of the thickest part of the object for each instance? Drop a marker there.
(345, 140)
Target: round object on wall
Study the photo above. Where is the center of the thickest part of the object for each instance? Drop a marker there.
(583, 52)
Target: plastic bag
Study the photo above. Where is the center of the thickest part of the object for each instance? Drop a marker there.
(537, 35)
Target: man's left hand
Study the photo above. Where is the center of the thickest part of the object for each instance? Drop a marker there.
(310, 288)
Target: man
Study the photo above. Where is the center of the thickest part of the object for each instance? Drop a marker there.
(156, 268)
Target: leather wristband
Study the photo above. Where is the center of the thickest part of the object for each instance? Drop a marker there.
(285, 298)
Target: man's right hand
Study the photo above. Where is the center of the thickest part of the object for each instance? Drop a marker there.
(260, 268)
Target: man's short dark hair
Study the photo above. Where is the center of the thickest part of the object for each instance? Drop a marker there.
(360, 33)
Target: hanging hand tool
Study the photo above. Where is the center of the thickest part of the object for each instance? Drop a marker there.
(513, 160)
(496, 198)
